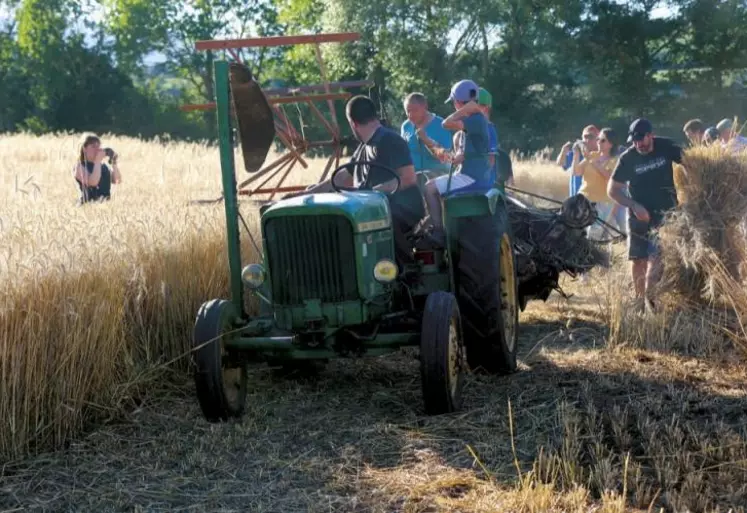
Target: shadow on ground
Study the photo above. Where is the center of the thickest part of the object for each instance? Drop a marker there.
(355, 438)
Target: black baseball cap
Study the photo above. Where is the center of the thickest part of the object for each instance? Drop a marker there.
(639, 129)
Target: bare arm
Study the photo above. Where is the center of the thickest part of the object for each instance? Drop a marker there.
(441, 153)
(116, 175)
(577, 167)
(343, 178)
(616, 192)
(88, 180)
(454, 121)
(407, 178)
(560, 160)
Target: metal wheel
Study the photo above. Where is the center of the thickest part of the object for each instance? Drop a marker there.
(509, 293)
(220, 377)
(442, 354)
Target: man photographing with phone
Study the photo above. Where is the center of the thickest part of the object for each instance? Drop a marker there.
(586, 144)
(647, 168)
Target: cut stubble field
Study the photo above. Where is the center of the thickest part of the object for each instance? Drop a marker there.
(608, 411)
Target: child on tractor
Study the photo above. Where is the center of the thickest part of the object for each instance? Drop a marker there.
(472, 148)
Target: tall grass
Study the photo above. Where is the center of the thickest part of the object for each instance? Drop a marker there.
(98, 296)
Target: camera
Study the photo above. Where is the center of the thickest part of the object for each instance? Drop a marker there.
(110, 153)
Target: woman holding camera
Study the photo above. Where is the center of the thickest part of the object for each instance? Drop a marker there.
(93, 176)
(595, 170)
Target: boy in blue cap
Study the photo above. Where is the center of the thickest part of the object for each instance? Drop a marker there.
(472, 146)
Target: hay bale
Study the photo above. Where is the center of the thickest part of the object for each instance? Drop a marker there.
(704, 239)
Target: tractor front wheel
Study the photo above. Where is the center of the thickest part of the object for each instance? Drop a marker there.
(442, 354)
(220, 376)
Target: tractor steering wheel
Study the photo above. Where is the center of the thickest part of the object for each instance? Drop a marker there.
(365, 185)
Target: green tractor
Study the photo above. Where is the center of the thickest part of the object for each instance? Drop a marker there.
(329, 286)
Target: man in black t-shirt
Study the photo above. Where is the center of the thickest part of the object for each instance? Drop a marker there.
(382, 145)
(646, 168)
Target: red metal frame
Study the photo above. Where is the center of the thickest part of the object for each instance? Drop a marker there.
(255, 42)
(295, 144)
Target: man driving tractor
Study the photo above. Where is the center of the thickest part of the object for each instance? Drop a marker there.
(381, 145)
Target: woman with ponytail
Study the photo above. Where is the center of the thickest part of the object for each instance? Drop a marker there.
(93, 176)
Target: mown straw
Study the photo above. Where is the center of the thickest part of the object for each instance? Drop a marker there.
(703, 241)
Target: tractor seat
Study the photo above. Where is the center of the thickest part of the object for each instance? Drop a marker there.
(472, 201)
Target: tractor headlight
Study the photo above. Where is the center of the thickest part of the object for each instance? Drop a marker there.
(385, 271)
(253, 275)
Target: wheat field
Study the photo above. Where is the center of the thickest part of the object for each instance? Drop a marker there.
(609, 412)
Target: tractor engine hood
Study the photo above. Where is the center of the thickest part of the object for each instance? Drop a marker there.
(366, 210)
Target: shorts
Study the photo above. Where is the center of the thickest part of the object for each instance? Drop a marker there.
(459, 181)
(642, 241)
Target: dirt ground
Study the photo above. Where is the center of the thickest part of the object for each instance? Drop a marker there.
(579, 419)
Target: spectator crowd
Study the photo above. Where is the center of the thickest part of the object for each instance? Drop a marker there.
(633, 186)
(631, 183)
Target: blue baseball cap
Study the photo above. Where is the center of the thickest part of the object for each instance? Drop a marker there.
(463, 91)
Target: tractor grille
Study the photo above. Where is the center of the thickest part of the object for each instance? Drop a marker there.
(311, 257)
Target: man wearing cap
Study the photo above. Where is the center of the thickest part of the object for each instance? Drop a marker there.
(730, 140)
(427, 139)
(472, 146)
(647, 169)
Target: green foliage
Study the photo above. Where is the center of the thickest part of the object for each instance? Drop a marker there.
(552, 66)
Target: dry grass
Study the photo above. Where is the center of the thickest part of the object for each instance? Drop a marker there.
(609, 412)
(97, 296)
(705, 241)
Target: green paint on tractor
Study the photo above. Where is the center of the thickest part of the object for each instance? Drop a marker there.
(366, 210)
(330, 286)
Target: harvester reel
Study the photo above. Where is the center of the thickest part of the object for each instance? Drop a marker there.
(256, 123)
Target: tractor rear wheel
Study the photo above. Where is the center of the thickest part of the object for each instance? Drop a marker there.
(442, 362)
(220, 377)
(488, 294)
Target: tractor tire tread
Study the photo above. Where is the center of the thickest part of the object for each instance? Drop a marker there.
(479, 293)
(208, 365)
(440, 308)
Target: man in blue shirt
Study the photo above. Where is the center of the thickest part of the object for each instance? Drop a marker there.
(420, 126)
(565, 157)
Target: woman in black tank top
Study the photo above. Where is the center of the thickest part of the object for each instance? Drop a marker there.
(93, 176)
